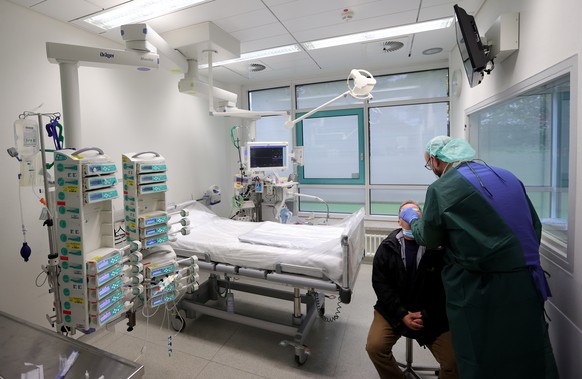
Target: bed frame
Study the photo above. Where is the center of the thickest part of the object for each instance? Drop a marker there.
(309, 285)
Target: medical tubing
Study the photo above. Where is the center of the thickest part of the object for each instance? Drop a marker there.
(321, 313)
(21, 213)
(52, 270)
(235, 141)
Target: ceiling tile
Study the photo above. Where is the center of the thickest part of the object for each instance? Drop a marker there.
(65, 10)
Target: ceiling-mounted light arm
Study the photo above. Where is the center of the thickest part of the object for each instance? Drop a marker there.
(291, 123)
(231, 110)
(363, 83)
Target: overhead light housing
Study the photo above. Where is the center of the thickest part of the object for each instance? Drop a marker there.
(396, 31)
(138, 11)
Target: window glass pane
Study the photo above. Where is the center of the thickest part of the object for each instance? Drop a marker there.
(410, 86)
(339, 200)
(398, 137)
(387, 202)
(275, 99)
(331, 147)
(311, 96)
(529, 136)
(272, 129)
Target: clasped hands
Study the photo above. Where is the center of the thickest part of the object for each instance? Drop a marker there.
(413, 320)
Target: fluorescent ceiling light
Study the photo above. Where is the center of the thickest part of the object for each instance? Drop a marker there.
(138, 11)
(380, 34)
(257, 55)
(343, 40)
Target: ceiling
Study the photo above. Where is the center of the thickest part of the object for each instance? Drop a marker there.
(263, 24)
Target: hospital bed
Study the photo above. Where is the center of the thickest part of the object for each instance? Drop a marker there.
(299, 263)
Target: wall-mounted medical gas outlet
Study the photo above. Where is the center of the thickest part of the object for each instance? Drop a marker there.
(90, 282)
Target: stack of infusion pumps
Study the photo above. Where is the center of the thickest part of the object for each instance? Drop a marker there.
(90, 289)
(147, 221)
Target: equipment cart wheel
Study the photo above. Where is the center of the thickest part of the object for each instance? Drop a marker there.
(179, 321)
(301, 354)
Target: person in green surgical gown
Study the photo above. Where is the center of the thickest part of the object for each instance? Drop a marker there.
(494, 284)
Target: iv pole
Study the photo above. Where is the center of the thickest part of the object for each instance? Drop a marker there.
(51, 269)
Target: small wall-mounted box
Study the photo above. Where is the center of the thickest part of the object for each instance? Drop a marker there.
(503, 36)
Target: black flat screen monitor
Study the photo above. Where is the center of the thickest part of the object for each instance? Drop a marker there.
(472, 50)
(267, 155)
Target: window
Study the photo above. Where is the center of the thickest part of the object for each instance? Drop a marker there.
(333, 147)
(528, 134)
(338, 200)
(274, 99)
(398, 136)
(272, 128)
(430, 84)
(361, 153)
(310, 96)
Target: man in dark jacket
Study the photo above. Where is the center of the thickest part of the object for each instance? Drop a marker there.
(411, 302)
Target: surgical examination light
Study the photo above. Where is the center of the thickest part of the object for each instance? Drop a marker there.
(360, 83)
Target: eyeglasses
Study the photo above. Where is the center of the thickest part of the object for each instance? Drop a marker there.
(427, 165)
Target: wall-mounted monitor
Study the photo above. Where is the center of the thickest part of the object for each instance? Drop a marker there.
(265, 156)
(473, 53)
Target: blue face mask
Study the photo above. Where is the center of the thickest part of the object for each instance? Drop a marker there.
(407, 233)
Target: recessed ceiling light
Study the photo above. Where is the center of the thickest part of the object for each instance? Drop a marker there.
(138, 11)
(432, 50)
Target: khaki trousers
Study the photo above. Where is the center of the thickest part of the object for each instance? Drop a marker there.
(381, 338)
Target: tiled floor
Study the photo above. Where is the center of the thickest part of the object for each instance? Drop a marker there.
(213, 348)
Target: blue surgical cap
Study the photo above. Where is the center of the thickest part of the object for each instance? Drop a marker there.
(449, 149)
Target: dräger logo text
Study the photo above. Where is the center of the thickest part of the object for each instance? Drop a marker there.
(106, 55)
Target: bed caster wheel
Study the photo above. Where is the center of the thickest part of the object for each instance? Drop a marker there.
(301, 355)
(179, 322)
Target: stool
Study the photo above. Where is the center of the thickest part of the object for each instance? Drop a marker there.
(409, 368)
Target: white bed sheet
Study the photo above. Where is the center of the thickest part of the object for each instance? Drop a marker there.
(264, 245)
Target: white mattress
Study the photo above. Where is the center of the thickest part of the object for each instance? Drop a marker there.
(264, 245)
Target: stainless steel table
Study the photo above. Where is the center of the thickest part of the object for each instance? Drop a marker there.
(22, 342)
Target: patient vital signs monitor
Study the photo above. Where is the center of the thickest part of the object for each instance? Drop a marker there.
(263, 156)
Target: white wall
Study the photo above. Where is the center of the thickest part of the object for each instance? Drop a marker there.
(549, 34)
(122, 110)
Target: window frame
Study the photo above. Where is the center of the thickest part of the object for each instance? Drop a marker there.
(366, 106)
(551, 248)
(361, 180)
